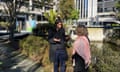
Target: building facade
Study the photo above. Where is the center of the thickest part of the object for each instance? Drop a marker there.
(96, 12)
(30, 9)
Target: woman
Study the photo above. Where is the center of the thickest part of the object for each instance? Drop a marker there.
(58, 53)
(81, 50)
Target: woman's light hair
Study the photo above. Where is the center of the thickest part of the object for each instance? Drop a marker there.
(81, 30)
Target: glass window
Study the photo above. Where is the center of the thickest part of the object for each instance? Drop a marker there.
(108, 9)
(100, 9)
(108, 0)
(99, 0)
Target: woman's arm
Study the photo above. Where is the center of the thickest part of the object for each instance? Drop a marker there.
(50, 36)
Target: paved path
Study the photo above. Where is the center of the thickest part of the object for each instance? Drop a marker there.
(14, 61)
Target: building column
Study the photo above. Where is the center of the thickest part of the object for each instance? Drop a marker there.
(103, 6)
(80, 9)
(83, 9)
(92, 11)
(30, 5)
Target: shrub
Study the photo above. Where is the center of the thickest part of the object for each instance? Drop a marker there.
(107, 59)
(4, 25)
(34, 47)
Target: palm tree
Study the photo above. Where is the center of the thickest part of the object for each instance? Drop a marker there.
(51, 16)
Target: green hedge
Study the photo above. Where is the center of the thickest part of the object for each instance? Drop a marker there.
(107, 59)
(34, 47)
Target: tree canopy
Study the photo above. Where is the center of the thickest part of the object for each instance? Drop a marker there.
(74, 14)
(67, 9)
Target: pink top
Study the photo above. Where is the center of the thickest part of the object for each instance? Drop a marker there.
(81, 47)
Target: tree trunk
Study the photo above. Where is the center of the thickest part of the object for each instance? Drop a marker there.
(11, 36)
(11, 29)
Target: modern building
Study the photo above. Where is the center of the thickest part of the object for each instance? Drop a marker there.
(29, 9)
(96, 12)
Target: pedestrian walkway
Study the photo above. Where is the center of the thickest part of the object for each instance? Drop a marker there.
(14, 61)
